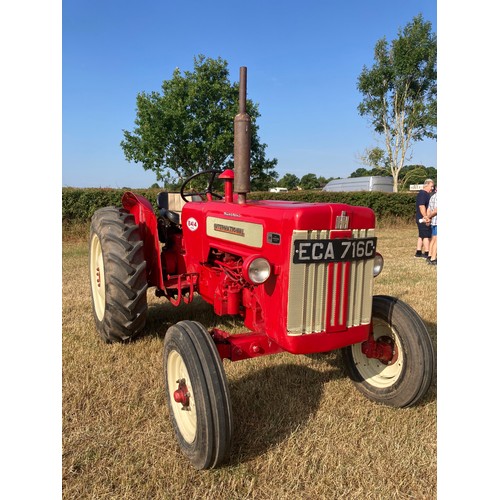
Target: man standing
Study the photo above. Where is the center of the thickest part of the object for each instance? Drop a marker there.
(424, 231)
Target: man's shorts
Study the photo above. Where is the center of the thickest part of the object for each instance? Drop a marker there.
(434, 230)
(424, 231)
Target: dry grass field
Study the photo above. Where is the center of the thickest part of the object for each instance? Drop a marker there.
(302, 431)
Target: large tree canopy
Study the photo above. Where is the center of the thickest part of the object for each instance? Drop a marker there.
(188, 127)
(400, 91)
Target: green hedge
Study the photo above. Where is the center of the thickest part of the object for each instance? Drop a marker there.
(78, 205)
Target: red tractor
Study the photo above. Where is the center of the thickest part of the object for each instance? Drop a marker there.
(300, 275)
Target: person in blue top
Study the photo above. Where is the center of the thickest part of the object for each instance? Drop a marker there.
(424, 230)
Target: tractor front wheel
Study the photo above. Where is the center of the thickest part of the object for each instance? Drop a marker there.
(118, 280)
(197, 394)
(395, 367)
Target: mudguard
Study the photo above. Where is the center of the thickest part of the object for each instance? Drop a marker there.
(145, 218)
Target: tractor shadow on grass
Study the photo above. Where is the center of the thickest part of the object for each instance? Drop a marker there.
(162, 315)
(272, 403)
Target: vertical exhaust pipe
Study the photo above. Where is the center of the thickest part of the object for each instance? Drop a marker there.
(242, 135)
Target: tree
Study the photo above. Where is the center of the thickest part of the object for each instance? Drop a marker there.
(360, 172)
(189, 126)
(309, 181)
(416, 174)
(400, 91)
(377, 159)
(289, 181)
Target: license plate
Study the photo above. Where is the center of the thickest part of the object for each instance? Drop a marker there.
(336, 250)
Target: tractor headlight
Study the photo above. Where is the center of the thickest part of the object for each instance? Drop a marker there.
(256, 269)
(378, 264)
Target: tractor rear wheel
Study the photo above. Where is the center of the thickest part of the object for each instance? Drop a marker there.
(197, 394)
(403, 380)
(118, 280)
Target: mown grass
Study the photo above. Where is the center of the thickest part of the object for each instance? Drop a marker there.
(302, 431)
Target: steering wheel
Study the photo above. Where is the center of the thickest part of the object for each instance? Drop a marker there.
(208, 193)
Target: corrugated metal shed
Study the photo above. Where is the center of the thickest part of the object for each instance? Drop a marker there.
(373, 183)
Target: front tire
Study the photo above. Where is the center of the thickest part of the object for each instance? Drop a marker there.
(118, 280)
(406, 378)
(197, 394)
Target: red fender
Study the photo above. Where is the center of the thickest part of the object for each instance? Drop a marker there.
(144, 215)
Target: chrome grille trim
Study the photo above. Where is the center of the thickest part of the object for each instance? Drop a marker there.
(307, 290)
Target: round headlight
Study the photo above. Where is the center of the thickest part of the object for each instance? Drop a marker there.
(257, 270)
(378, 264)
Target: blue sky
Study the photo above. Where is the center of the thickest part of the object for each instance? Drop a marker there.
(303, 60)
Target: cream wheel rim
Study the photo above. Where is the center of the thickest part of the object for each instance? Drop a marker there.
(185, 416)
(372, 370)
(98, 283)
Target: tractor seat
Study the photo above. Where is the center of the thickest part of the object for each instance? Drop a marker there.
(170, 205)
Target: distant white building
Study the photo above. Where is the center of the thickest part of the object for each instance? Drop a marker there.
(373, 183)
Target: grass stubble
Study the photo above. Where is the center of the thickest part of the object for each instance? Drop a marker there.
(301, 428)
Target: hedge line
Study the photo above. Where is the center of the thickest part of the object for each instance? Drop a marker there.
(78, 205)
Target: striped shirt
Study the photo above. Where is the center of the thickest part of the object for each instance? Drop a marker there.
(433, 202)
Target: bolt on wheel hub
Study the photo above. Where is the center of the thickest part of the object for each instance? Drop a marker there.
(181, 395)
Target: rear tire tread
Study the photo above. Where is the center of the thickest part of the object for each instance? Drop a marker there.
(125, 274)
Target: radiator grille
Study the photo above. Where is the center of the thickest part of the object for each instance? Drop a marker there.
(329, 297)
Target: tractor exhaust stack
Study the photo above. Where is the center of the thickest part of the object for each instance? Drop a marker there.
(242, 135)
